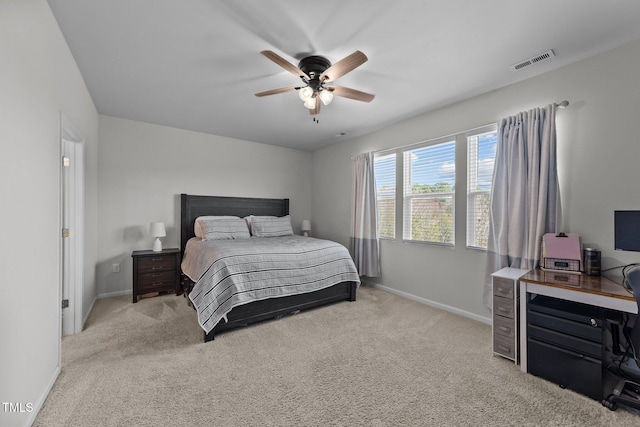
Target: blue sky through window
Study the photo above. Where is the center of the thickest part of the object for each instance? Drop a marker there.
(486, 158)
(436, 164)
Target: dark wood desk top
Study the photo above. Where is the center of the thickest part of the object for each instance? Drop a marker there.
(599, 285)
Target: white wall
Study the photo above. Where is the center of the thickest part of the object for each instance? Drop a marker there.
(598, 149)
(143, 169)
(38, 80)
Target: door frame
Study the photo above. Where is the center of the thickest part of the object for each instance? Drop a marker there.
(73, 139)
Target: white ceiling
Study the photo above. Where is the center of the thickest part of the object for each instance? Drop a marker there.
(195, 64)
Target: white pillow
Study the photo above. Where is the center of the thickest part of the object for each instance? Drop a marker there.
(221, 228)
(271, 226)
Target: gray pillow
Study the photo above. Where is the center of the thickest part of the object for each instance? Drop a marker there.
(223, 228)
(271, 226)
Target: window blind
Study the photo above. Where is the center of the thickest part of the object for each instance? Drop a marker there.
(481, 153)
(429, 193)
(384, 167)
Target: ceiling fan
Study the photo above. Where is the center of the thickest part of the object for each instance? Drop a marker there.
(315, 72)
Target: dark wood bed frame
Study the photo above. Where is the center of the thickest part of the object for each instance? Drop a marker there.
(192, 207)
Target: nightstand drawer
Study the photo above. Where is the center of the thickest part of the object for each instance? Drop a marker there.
(157, 279)
(156, 263)
(164, 286)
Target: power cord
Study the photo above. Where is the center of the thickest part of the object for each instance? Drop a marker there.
(625, 268)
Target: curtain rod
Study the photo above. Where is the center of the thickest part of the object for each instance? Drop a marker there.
(560, 105)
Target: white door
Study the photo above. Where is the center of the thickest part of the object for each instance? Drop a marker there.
(72, 189)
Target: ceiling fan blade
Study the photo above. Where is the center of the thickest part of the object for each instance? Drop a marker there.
(344, 66)
(284, 63)
(347, 92)
(276, 91)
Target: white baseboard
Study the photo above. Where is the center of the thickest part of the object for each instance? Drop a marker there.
(115, 294)
(430, 303)
(38, 405)
(86, 316)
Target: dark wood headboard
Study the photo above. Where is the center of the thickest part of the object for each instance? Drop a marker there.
(192, 207)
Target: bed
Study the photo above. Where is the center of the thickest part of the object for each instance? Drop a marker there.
(263, 305)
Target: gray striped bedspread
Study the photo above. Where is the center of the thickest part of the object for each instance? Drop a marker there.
(229, 273)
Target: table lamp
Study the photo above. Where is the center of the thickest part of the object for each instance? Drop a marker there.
(306, 227)
(157, 230)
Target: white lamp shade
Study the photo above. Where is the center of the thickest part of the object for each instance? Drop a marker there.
(305, 93)
(310, 103)
(306, 225)
(157, 229)
(326, 97)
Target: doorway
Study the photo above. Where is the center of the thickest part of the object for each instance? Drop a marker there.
(72, 215)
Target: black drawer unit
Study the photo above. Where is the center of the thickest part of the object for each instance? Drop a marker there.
(564, 343)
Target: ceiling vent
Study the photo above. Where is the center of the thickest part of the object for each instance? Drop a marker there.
(533, 60)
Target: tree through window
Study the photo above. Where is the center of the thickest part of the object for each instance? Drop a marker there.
(429, 193)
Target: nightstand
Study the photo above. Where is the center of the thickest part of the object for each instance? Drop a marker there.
(155, 271)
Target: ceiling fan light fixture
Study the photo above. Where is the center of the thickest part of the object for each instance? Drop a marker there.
(310, 103)
(326, 97)
(315, 71)
(305, 93)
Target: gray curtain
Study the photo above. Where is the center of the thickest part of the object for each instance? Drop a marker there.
(525, 198)
(364, 228)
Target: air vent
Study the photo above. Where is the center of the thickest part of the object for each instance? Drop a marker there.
(533, 60)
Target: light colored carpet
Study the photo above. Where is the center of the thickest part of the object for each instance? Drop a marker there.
(380, 361)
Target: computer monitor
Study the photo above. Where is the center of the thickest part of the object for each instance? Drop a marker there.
(627, 230)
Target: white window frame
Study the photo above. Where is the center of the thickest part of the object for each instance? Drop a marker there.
(408, 198)
(465, 173)
(473, 193)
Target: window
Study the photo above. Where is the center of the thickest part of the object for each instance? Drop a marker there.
(429, 193)
(384, 167)
(426, 202)
(480, 160)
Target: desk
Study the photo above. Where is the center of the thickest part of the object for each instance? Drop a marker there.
(597, 291)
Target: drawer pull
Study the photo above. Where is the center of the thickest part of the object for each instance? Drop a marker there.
(156, 275)
(157, 284)
(503, 309)
(156, 259)
(158, 267)
(504, 329)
